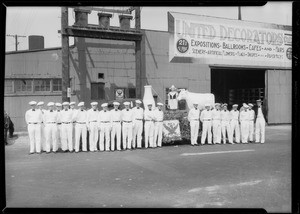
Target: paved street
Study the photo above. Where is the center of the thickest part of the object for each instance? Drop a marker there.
(217, 176)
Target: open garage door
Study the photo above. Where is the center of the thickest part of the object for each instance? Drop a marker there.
(279, 96)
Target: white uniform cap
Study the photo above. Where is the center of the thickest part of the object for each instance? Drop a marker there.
(160, 104)
(235, 105)
(32, 103)
(94, 103)
(245, 105)
(81, 104)
(138, 101)
(116, 103)
(250, 104)
(172, 87)
(58, 104)
(72, 103)
(207, 105)
(50, 104)
(259, 100)
(126, 103)
(224, 104)
(195, 103)
(104, 105)
(40, 103)
(217, 104)
(65, 103)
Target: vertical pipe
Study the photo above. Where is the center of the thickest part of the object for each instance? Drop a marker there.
(65, 55)
(138, 79)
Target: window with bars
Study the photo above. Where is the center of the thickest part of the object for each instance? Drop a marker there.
(8, 87)
(23, 85)
(42, 85)
(56, 85)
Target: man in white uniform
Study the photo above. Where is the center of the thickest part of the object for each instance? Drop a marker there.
(34, 118)
(104, 125)
(234, 123)
(92, 116)
(158, 125)
(138, 117)
(50, 120)
(205, 117)
(72, 108)
(149, 125)
(58, 122)
(251, 122)
(81, 127)
(43, 138)
(244, 120)
(216, 123)
(66, 116)
(225, 124)
(193, 118)
(127, 126)
(116, 117)
(260, 124)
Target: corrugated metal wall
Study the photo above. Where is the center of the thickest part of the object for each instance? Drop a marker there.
(279, 93)
(161, 74)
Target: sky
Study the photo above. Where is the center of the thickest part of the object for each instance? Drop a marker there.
(45, 21)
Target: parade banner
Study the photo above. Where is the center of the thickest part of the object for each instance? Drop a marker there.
(217, 41)
(171, 130)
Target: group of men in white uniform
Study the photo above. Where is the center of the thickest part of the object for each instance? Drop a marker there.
(219, 124)
(60, 124)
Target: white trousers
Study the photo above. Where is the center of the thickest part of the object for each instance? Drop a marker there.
(225, 126)
(93, 136)
(67, 141)
(245, 130)
(115, 131)
(206, 131)
(216, 126)
(59, 136)
(127, 134)
(158, 128)
(194, 126)
(43, 137)
(149, 133)
(80, 131)
(251, 130)
(34, 133)
(235, 129)
(260, 130)
(51, 136)
(105, 133)
(137, 133)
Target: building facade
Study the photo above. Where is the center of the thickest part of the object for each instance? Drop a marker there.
(104, 70)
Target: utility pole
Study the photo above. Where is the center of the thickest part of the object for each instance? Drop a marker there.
(239, 13)
(65, 55)
(16, 39)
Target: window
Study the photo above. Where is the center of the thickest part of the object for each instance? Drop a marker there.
(100, 75)
(8, 86)
(23, 85)
(42, 85)
(97, 91)
(131, 93)
(56, 85)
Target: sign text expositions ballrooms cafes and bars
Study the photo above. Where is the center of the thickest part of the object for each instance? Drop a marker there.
(218, 41)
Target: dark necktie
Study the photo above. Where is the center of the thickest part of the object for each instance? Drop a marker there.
(127, 109)
(159, 110)
(94, 109)
(58, 110)
(33, 109)
(51, 110)
(138, 107)
(66, 110)
(104, 110)
(116, 109)
(81, 110)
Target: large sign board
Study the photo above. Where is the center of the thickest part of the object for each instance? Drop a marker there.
(219, 41)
